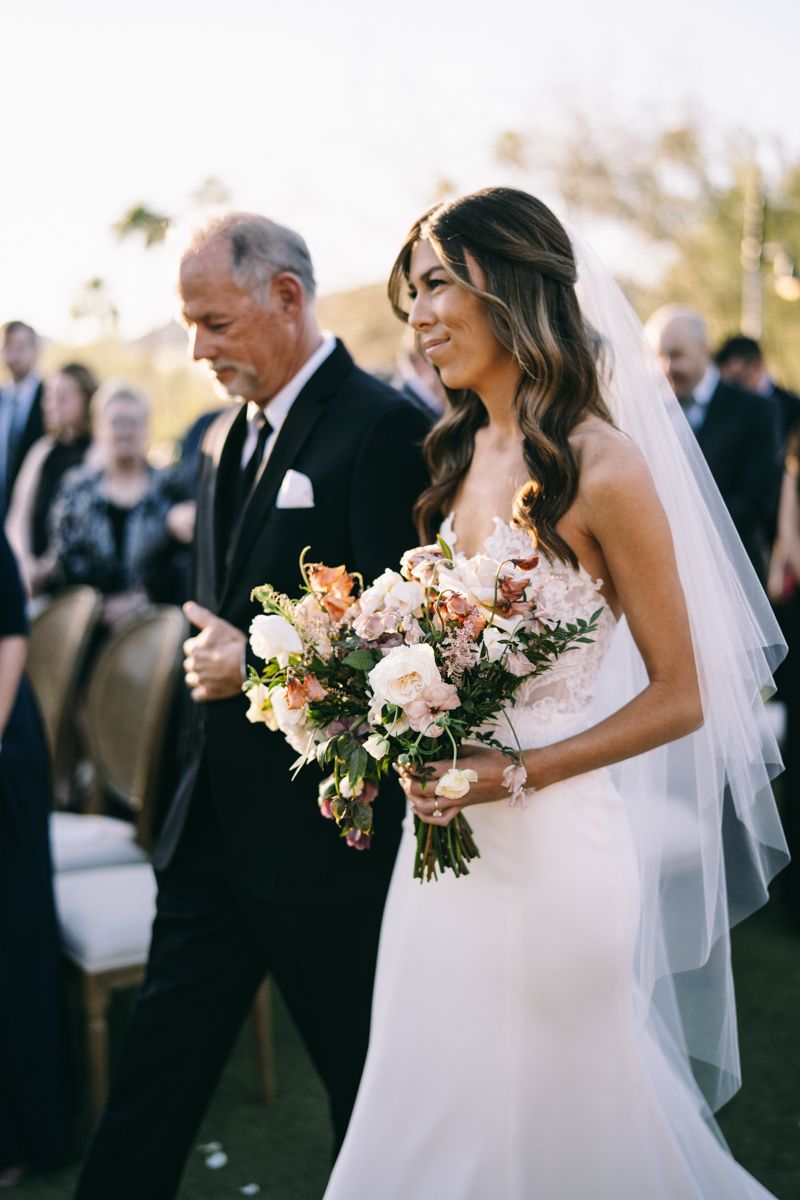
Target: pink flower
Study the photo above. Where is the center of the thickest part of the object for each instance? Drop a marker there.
(520, 798)
(298, 691)
(419, 563)
(420, 718)
(519, 665)
(412, 631)
(314, 689)
(371, 626)
(515, 776)
(325, 807)
(435, 699)
(369, 793)
(358, 839)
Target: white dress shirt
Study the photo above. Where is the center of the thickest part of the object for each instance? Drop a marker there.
(16, 402)
(697, 408)
(277, 410)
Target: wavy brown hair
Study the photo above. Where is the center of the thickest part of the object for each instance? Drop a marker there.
(527, 261)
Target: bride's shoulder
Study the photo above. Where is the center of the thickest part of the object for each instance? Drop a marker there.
(612, 469)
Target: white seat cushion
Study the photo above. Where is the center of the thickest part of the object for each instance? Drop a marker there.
(106, 914)
(78, 841)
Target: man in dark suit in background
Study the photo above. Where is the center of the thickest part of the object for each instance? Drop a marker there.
(21, 421)
(252, 880)
(736, 430)
(741, 363)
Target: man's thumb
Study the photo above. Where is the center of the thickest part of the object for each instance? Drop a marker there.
(199, 617)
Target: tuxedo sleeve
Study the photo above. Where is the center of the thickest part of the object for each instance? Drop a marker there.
(753, 503)
(390, 474)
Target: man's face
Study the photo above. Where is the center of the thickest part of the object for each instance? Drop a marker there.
(684, 356)
(19, 353)
(747, 373)
(247, 346)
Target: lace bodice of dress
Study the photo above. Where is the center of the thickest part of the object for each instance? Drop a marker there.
(557, 703)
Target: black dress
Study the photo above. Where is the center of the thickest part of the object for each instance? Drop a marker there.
(34, 1090)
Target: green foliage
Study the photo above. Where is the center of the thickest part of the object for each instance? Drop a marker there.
(682, 188)
(140, 219)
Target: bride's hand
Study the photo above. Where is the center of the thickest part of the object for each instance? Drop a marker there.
(487, 764)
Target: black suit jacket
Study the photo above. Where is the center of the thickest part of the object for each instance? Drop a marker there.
(788, 411)
(359, 443)
(34, 429)
(740, 441)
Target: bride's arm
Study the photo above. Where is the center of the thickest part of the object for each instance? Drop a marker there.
(621, 511)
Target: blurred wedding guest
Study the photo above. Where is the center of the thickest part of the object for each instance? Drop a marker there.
(108, 521)
(784, 591)
(418, 379)
(737, 431)
(20, 403)
(741, 362)
(34, 1093)
(65, 407)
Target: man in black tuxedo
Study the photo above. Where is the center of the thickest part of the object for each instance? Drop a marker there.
(736, 430)
(21, 421)
(741, 363)
(252, 880)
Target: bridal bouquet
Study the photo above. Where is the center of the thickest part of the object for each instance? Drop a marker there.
(404, 671)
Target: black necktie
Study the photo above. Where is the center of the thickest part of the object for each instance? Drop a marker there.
(248, 472)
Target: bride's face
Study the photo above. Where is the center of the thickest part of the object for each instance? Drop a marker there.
(452, 324)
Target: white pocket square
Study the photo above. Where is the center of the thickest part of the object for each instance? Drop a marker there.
(296, 491)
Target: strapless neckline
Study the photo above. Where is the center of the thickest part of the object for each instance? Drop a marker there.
(508, 541)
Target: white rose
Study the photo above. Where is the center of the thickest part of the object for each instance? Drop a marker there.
(274, 637)
(406, 596)
(310, 606)
(403, 673)
(260, 708)
(455, 783)
(292, 722)
(376, 745)
(373, 597)
(396, 727)
(348, 791)
(492, 641)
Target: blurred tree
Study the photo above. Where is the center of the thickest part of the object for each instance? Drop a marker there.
(140, 219)
(669, 185)
(94, 301)
(212, 193)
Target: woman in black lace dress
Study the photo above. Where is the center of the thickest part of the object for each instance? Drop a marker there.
(108, 526)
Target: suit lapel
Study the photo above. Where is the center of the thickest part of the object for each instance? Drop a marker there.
(296, 429)
(219, 449)
(705, 434)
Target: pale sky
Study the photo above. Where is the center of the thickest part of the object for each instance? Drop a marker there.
(337, 117)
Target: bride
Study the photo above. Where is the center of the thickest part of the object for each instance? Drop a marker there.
(560, 1024)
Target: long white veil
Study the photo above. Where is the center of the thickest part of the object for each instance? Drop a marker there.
(704, 819)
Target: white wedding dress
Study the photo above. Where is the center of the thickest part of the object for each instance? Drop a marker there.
(506, 1059)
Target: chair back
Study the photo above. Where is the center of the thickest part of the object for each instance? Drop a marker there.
(60, 636)
(127, 706)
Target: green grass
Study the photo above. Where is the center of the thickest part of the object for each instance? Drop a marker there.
(285, 1148)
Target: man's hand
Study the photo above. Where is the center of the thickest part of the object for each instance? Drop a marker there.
(180, 521)
(213, 662)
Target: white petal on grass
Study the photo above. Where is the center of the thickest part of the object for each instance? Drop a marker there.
(210, 1147)
(250, 1189)
(217, 1160)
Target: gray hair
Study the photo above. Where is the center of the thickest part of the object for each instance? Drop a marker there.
(119, 389)
(260, 249)
(662, 317)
